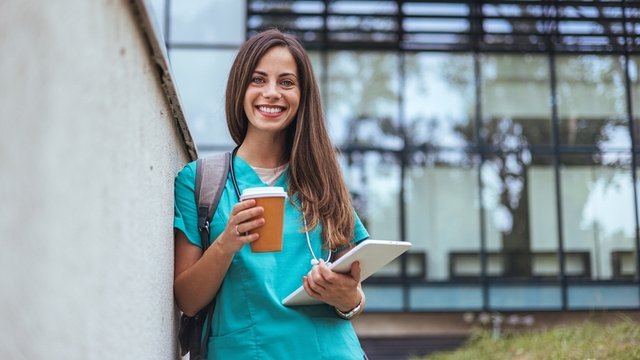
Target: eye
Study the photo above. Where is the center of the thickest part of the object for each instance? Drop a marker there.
(257, 80)
(287, 83)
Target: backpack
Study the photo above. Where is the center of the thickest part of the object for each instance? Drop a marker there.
(211, 177)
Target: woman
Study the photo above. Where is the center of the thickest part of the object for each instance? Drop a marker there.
(274, 114)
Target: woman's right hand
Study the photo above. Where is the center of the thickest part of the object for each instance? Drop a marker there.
(245, 217)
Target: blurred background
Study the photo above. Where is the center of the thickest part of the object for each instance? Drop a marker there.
(499, 137)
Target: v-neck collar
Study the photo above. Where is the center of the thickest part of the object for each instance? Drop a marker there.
(249, 178)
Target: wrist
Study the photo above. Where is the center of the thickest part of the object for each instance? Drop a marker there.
(352, 312)
(349, 307)
(222, 247)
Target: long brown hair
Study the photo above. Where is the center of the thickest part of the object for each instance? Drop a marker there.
(315, 175)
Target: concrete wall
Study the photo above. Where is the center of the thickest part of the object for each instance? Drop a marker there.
(90, 146)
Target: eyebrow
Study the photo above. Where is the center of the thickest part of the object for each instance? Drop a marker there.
(281, 75)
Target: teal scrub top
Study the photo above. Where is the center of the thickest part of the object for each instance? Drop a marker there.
(249, 320)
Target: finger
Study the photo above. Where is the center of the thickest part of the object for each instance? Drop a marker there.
(247, 226)
(248, 238)
(355, 271)
(248, 214)
(252, 237)
(316, 281)
(326, 273)
(308, 289)
(242, 205)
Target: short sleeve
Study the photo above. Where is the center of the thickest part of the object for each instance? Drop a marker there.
(185, 216)
(359, 232)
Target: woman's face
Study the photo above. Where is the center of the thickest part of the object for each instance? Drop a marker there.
(273, 95)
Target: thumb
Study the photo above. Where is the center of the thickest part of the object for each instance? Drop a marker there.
(355, 270)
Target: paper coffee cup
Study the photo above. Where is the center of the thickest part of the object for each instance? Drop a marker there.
(272, 199)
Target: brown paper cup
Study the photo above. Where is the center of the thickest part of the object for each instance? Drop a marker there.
(272, 199)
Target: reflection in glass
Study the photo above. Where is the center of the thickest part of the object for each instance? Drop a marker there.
(432, 209)
(374, 182)
(515, 101)
(518, 195)
(362, 104)
(439, 99)
(207, 21)
(363, 7)
(592, 101)
(598, 211)
(201, 78)
(634, 75)
(318, 70)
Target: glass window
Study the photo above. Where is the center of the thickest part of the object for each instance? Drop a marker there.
(318, 70)
(201, 78)
(362, 104)
(602, 296)
(451, 297)
(206, 21)
(592, 101)
(598, 213)
(634, 74)
(386, 297)
(515, 101)
(441, 189)
(518, 196)
(439, 99)
(374, 181)
(510, 297)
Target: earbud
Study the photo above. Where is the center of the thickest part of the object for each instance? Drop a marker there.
(314, 262)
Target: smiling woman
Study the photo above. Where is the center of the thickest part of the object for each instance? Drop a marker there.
(274, 115)
(272, 98)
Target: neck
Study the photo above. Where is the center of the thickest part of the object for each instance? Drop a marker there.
(261, 153)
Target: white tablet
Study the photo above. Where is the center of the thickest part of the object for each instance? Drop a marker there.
(372, 255)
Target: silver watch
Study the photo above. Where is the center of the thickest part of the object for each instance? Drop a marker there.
(351, 313)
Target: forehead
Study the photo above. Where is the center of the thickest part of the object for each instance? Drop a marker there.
(277, 59)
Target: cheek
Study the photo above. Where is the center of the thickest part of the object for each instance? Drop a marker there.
(295, 103)
(247, 103)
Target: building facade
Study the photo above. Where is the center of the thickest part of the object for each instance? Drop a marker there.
(500, 138)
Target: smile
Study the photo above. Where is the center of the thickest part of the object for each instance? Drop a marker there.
(271, 109)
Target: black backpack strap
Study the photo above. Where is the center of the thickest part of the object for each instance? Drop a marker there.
(211, 177)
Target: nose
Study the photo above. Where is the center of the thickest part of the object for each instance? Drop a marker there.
(271, 91)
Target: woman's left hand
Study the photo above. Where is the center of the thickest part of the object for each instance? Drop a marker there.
(336, 289)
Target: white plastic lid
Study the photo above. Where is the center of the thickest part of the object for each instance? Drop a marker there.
(264, 191)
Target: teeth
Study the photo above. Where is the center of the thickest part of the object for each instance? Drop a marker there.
(271, 110)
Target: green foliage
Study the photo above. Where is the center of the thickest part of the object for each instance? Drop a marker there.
(586, 340)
